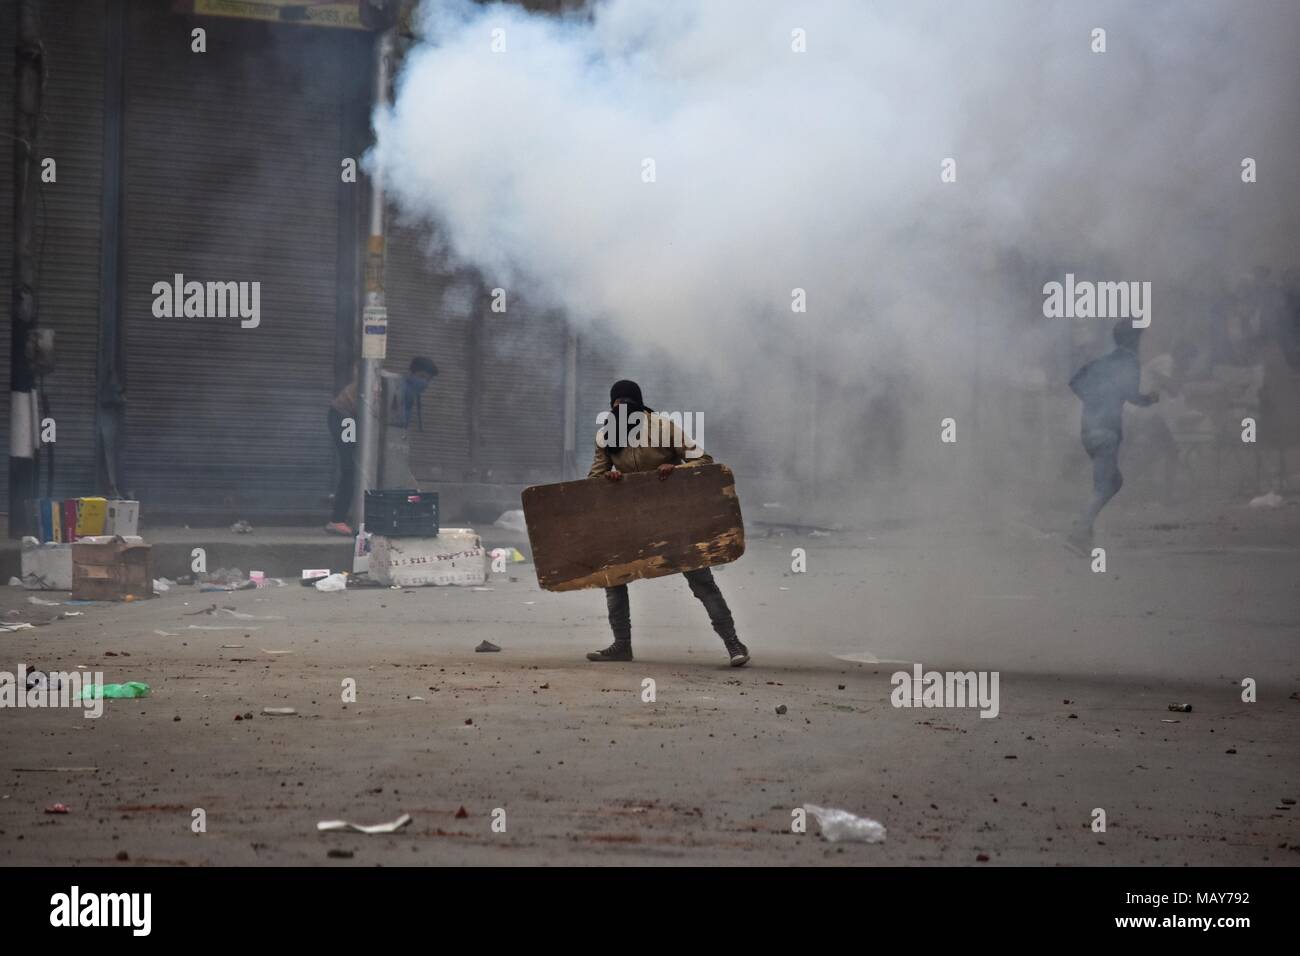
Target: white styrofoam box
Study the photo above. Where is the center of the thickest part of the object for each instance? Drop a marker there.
(123, 517)
(47, 566)
(455, 556)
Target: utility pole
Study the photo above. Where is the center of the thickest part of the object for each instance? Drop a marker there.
(29, 69)
(374, 313)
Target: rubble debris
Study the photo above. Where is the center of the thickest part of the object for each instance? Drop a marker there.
(841, 825)
(337, 854)
(325, 826)
(486, 647)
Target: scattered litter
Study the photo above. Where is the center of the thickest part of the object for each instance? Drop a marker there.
(461, 814)
(241, 527)
(232, 647)
(132, 688)
(258, 578)
(221, 627)
(163, 585)
(781, 708)
(415, 698)
(782, 589)
(1270, 500)
(73, 614)
(166, 634)
(279, 711)
(486, 647)
(241, 616)
(818, 534)
(482, 589)
(42, 602)
(333, 582)
(311, 574)
(866, 657)
(841, 825)
(512, 521)
(222, 576)
(772, 504)
(337, 854)
(273, 653)
(57, 808)
(15, 582)
(1181, 708)
(15, 627)
(38, 679)
(1166, 720)
(527, 603)
(327, 825)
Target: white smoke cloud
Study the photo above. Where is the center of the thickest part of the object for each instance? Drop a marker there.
(821, 170)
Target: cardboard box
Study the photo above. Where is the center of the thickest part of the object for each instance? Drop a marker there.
(454, 557)
(111, 568)
(123, 518)
(47, 567)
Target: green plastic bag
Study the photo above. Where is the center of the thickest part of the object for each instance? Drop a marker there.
(132, 688)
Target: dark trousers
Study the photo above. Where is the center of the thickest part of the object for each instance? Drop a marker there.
(347, 452)
(1102, 447)
(702, 586)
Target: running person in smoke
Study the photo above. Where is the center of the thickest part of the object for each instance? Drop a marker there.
(613, 460)
(1104, 385)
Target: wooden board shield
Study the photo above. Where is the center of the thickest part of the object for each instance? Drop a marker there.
(597, 533)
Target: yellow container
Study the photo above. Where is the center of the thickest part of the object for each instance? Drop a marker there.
(91, 513)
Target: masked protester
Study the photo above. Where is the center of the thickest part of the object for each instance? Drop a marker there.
(344, 406)
(422, 370)
(618, 453)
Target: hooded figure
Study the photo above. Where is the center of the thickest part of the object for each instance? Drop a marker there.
(672, 450)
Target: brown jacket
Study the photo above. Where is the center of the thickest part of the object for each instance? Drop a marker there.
(647, 457)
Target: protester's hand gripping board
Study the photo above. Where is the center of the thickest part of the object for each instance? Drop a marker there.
(597, 533)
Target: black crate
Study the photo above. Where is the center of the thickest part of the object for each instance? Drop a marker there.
(406, 513)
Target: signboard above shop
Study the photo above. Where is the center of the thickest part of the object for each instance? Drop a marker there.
(345, 14)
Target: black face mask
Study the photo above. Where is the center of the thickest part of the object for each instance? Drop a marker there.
(612, 423)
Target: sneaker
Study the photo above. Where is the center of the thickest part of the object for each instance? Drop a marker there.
(338, 527)
(739, 652)
(615, 652)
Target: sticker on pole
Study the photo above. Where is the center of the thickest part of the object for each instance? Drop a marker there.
(374, 332)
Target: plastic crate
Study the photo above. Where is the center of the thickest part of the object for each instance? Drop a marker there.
(404, 513)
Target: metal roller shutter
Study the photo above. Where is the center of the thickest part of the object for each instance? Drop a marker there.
(521, 421)
(68, 224)
(429, 313)
(231, 174)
